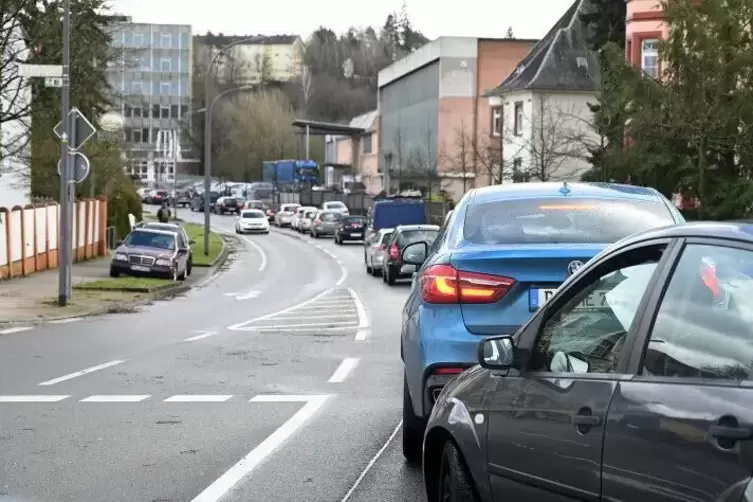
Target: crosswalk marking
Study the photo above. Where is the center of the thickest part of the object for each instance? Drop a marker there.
(138, 398)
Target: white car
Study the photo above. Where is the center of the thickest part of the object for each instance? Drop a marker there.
(252, 221)
(305, 224)
(336, 206)
(285, 215)
(295, 222)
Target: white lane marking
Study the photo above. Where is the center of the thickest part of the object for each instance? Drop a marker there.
(363, 318)
(261, 252)
(65, 321)
(17, 329)
(201, 336)
(244, 295)
(350, 324)
(196, 398)
(82, 372)
(220, 487)
(243, 326)
(371, 463)
(116, 399)
(32, 399)
(282, 398)
(362, 335)
(342, 371)
(294, 316)
(273, 329)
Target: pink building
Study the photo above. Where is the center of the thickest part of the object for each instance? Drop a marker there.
(361, 152)
(645, 26)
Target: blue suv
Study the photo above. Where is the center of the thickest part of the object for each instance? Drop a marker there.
(502, 253)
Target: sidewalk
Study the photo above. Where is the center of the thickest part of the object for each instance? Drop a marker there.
(34, 297)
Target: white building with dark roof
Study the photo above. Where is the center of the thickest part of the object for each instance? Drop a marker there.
(544, 104)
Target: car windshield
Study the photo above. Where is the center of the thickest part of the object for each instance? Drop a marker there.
(330, 217)
(410, 236)
(571, 220)
(252, 215)
(151, 240)
(334, 205)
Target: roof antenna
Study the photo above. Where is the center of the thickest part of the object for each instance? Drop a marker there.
(565, 190)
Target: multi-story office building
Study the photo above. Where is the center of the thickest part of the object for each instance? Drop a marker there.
(152, 86)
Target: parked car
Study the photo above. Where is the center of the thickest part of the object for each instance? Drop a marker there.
(270, 213)
(151, 253)
(351, 228)
(174, 227)
(298, 216)
(255, 204)
(157, 197)
(501, 255)
(251, 221)
(641, 356)
(285, 215)
(325, 223)
(393, 266)
(375, 251)
(184, 198)
(304, 226)
(336, 206)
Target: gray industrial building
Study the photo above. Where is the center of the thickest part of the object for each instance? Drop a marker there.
(152, 86)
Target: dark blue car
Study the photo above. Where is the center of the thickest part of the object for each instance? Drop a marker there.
(500, 256)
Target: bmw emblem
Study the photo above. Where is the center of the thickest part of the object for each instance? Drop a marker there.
(574, 266)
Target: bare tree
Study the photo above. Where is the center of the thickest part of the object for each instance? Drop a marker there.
(553, 147)
(462, 161)
(307, 89)
(424, 162)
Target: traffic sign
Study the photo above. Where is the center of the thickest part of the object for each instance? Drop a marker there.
(40, 70)
(81, 167)
(53, 82)
(80, 124)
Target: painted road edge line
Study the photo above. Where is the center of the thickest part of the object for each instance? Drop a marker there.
(241, 326)
(261, 252)
(372, 462)
(65, 321)
(85, 371)
(223, 484)
(32, 399)
(17, 329)
(116, 398)
(363, 317)
(196, 398)
(342, 371)
(201, 336)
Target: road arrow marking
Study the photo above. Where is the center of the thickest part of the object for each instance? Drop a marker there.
(246, 295)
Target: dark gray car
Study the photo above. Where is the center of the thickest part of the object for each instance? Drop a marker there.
(325, 223)
(631, 383)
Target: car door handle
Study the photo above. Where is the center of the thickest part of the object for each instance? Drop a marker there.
(591, 420)
(727, 432)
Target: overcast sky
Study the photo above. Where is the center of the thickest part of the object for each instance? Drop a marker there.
(476, 18)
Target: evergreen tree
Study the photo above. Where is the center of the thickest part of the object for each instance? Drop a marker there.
(509, 34)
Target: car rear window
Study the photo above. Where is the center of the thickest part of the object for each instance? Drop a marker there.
(572, 220)
(252, 214)
(330, 217)
(333, 205)
(385, 237)
(410, 236)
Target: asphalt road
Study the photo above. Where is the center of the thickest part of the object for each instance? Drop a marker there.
(278, 379)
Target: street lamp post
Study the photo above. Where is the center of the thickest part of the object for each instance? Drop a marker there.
(208, 132)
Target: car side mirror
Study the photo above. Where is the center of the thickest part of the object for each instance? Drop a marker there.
(192, 241)
(119, 242)
(497, 353)
(415, 253)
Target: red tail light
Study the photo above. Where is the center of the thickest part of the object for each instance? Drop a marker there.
(317, 220)
(447, 371)
(394, 252)
(446, 284)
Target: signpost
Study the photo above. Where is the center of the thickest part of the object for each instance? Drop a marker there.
(81, 166)
(53, 82)
(80, 130)
(40, 70)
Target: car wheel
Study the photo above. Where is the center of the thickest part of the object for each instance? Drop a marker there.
(390, 280)
(189, 267)
(413, 429)
(114, 273)
(369, 268)
(182, 275)
(384, 275)
(454, 483)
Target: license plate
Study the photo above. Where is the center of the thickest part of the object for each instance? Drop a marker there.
(596, 300)
(139, 268)
(356, 235)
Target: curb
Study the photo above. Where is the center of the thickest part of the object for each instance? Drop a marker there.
(220, 260)
(126, 289)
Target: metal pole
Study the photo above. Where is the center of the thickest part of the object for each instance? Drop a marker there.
(308, 139)
(64, 256)
(207, 157)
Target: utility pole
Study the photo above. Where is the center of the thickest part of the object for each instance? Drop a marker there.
(65, 245)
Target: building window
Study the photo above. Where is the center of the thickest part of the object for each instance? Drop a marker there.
(145, 135)
(496, 121)
(137, 112)
(518, 125)
(155, 111)
(165, 112)
(366, 142)
(136, 87)
(650, 57)
(183, 110)
(127, 111)
(165, 41)
(164, 88)
(174, 112)
(138, 39)
(164, 65)
(137, 136)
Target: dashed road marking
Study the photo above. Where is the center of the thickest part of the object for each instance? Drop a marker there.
(17, 329)
(195, 398)
(86, 371)
(116, 398)
(342, 371)
(201, 336)
(32, 399)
